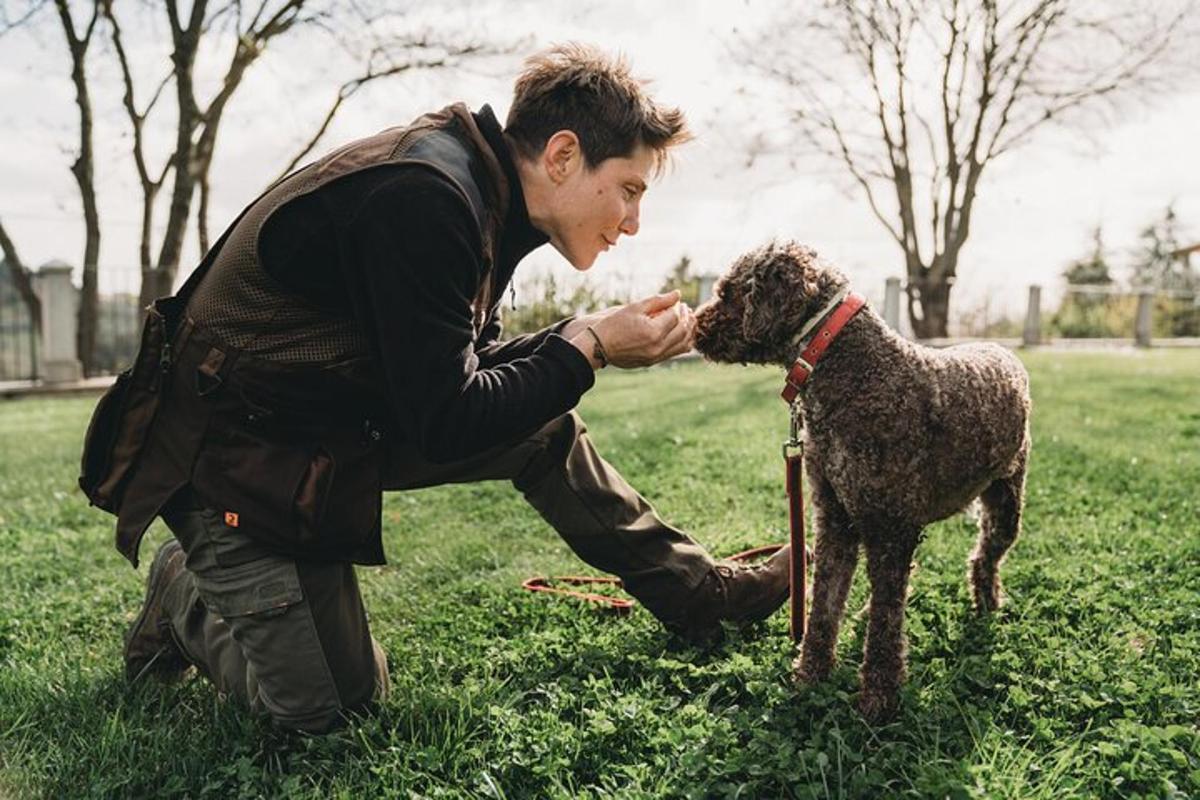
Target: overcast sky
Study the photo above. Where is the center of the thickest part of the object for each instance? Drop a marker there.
(1035, 210)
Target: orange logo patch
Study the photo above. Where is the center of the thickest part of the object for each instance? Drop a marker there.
(231, 519)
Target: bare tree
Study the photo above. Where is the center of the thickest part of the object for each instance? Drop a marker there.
(914, 98)
(197, 126)
(12, 18)
(83, 170)
(418, 52)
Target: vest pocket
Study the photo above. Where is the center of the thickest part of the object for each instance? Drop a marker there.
(121, 422)
(312, 494)
(318, 499)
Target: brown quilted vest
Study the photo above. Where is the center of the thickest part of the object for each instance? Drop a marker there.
(273, 411)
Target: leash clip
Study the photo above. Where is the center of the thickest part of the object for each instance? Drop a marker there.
(796, 429)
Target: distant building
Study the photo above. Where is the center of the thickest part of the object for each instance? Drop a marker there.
(1184, 254)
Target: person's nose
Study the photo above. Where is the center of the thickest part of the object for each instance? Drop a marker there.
(631, 223)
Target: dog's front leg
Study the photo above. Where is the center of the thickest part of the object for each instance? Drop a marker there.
(836, 556)
(889, 560)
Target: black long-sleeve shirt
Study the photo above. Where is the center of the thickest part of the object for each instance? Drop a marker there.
(399, 248)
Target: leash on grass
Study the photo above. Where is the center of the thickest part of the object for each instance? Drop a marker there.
(793, 455)
(617, 605)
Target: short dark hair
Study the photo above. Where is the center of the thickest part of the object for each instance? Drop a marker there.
(579, 88)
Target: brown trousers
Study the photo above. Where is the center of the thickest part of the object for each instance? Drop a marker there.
(290, 638)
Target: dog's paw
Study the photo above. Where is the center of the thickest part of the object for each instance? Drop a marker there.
(809, 671)
(987, 598)
(986, 592)
(878, 706)
(989, 603)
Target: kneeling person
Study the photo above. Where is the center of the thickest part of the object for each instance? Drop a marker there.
(342, 338)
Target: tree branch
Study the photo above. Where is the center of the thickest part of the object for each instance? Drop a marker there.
(352, 86)
(9, 25)
(137, 120)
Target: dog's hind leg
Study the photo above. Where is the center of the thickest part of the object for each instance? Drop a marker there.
(999, 525)
(836, 556)
(889, 560)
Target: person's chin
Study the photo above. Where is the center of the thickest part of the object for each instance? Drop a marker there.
(582, 262)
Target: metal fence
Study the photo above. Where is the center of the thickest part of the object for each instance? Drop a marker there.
(1085, 313)
(118, 326)
(118, 319)
(18, 342)
(1112, 312)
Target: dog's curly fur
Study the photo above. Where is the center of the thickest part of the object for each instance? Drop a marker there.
(897, 435)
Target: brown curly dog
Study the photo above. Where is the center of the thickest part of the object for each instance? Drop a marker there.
(897, 435)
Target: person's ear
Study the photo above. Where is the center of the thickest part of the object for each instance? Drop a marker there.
(562, 155)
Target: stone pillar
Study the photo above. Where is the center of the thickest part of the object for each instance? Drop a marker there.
(891, 303)
(1145, 307)
(57, 362)
(706, 288)
(1033, 318)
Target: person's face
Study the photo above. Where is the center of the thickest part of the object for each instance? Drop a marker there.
(590, 208)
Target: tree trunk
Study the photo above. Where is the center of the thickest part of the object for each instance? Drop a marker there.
(89, 296)
(932, 295)
(82, 170)
(89, 300)
(161, 280)
(156, 283)
(202, 214)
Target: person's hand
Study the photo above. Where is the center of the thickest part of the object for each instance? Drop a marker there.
(641, 333)
(580, 323)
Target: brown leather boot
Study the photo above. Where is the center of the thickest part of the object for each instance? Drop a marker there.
(736, 593)
(150, 649)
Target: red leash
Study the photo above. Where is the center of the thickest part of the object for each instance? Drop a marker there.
(831, 325)
(618, 605)
(799, 566)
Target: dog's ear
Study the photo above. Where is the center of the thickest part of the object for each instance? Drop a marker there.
(775, 299)
(778, 300)
(756, 317)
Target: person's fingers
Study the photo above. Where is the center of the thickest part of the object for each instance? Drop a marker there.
(658, 302)
(688, 314)
(675, 349)
(690, 324)
(675, 342)
(664, 323)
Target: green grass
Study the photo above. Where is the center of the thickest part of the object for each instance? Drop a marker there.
(1085, 685)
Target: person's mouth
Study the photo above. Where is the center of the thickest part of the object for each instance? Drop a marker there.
(608, 242)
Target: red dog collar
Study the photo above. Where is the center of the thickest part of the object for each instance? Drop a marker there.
(804, 365)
